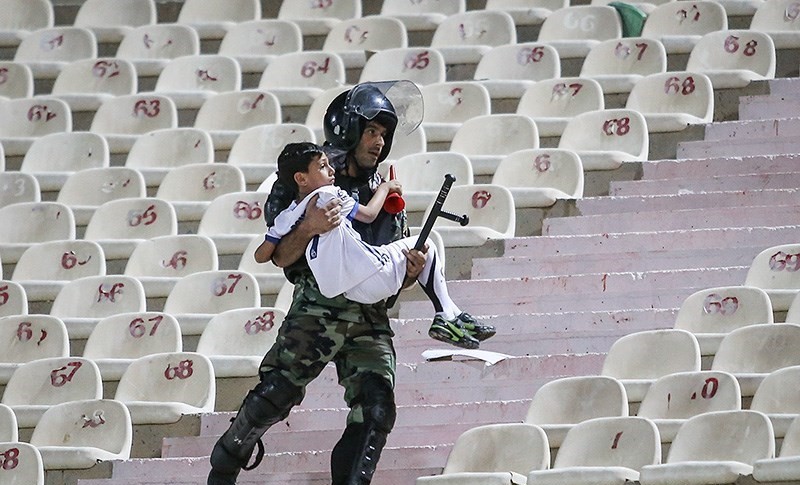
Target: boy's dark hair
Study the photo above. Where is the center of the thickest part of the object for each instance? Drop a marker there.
(294, 158)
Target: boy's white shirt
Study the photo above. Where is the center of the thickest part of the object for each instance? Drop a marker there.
(339, 258)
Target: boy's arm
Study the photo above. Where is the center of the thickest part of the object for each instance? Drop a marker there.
(264, 252)
(368, 213)
(317, 220)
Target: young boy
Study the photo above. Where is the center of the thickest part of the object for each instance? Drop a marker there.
(343, 264)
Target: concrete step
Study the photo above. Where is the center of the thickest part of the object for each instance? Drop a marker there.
(739, 147)
(705, 167)
(787, 86)
(752, 129)
(705, 218)
(589, 206)
(771, 106)
(719, 183)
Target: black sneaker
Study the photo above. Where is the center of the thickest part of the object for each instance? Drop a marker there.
(450, 332)
(474, 328)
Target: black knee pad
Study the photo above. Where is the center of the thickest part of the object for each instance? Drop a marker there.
(377, 403)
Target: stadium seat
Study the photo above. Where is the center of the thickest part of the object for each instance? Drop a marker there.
(236, 340)
(715, 447)
(316, 111)
(422, 15)
(297, 78)
(154, 395)
(46, 51)
(17, 79)
(793, 313)
(422, 174)
(525, 12)
(159, 262)
(79, 434)
(119, 339)
(421, 65)
(284, 299)
(195, 298)
(86, 190)
(674, 398)
(255, 43)
(212, 19)
(44, 268)
(786, 466)
(671, 101)
(605, 139)
(733, 58)
(464, 37)
(603, 450)
(231, 220)
(352, 38)
(679, 25)
(402, 145)
(508, 70)
(86, 83)
(490, 209)
(539, 177)
(28, 467)
(13, 300)
(40, 384)
(639, 358)
(16, 187)
(574, 30)
(191, 80)
(150, 47)
(190, 188)
(270, 278)
(29, 337)
(28, 223)
(8, 426)
(778, 397)
(318, 18)
(53, 158)
(494, 454)
(121, 120)
(485, 140)
(752, 352)
(24, 120)
(778, 19)
(119, 225)
(775, 270)
(553, 102)
(82, 302)
(155, 153)
(21, 17)
(619, 64)
(449, 104)
(110, 20)
(712, 313)
(564, 402)
(226, 115)
(256, 149)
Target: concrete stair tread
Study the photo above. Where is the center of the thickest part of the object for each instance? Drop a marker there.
(709, 167)
(753, 129)
(786, 180)
(623, 204)
(769, 106)
(784, 144)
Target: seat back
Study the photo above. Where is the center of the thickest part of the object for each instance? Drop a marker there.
(759, 348)
(624, 441)
(201, 11)
(13, 300)
(116, 13)
(34, 117)
(213, 292)
(455, 101)
(571, 400)
(562, 97)
(99, 296)
(776, 16)
(305, 69)
(542, 168)
(421, 7)
(734, 49)
(262, 37)
(96, 186)
(16, 80)
(581, 22)
(414, 142)
(25, 464)
(112, 76)
(53, 380)
(261, 145)
(203, 72)
(239, 110)
(234, 213)
(685, 394)
(779, 392)
(507, 447)
(242, 331)
(336, 9)
(631, 55)
(63, 260)
(133, 335)
(793, 313)
(687, 18)
(475, 27)
(201, 182)
(318, 107)
(674, 92)
(8, 426)
(36, 222)
(26, 14)
(622, 130)
(188, 379)
(66, 152)
(498, 134)
(524, 5)
(744, 436)
(31, 337)
(530, 61)
(170, 148)
(791, 440)
(722, 309)
(421, 65)
(651, 354)
(64, 43)
(776, 268)
(486, 205)
(135, 114)
(172, 256)
(373, 33)
(424, 172)
(16, 187)
(132, 218)
(159, 41)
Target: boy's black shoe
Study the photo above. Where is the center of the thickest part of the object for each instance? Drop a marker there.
(474, 328)
(451, 332)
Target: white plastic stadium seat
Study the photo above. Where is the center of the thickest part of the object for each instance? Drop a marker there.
(110, 20)
(160, 388)
(422, 174)
(508, 70)
(270, 278)
(24, 120)
(574, 30)
(422, 15)
(297, 78)
(793, 313)
(157, 152)
(525, 12)
(778, 18)
(679, 25)
(28, 223)
(54, 157)
(17, 79)
(255, 43)
(316, 112)
(318, 18)
(785, 467)
(619, 64)
(27, 463)
(775, 270)
(496, 454)
(232, 219)
(44, 268)
(16, 187)
(487, 139)
(639, 358)
(553, 102)
(671, 101)
(226, 115)
(86, 83)
(86, 190)
(421, 65)
(605, 139)
(449, 104)
(46, 51)
(464, 37)
(213, 18)
(79, 434)
(21, 17)
(13, 300)
(191, 80)
(564, 402)
(8, 426)
(352, 38)
(412, 143)
(256, 149)
(30, 337)
(778, 396)
(539, 177)
(150, 47)
(190, 188)
(734, 58)
(121, 120)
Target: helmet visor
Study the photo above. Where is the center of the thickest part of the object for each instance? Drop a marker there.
(369, 99)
